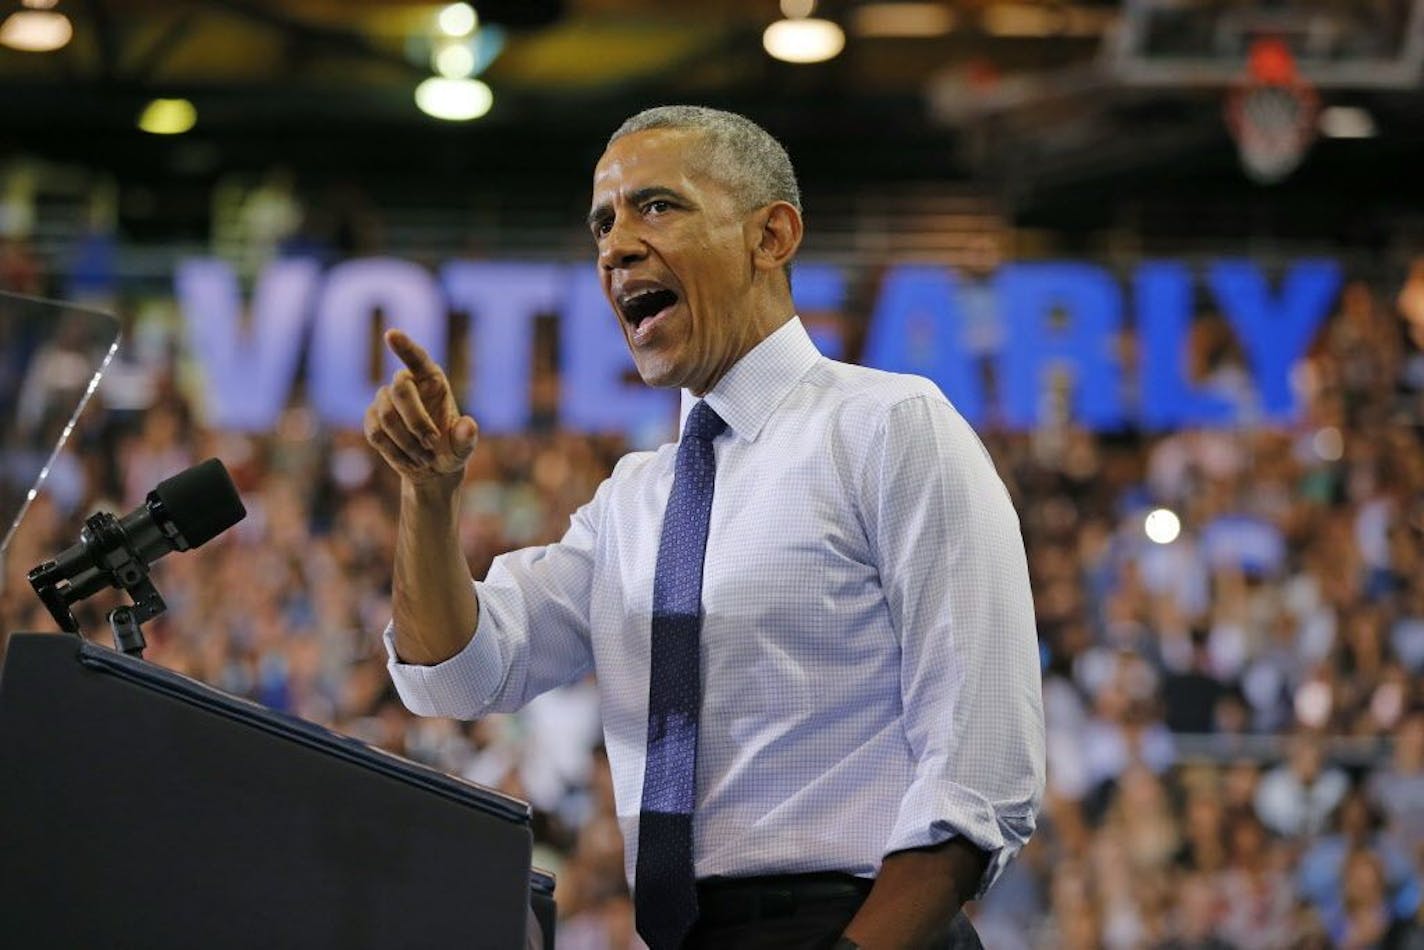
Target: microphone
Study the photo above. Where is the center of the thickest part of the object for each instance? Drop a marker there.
(183, 512)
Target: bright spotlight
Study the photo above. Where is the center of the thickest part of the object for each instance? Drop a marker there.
(455, 61)
(457, 100)
(168, 117)
(1162, 526)
(803, 41)
(36, 31)
(797, 9)
(458, 19)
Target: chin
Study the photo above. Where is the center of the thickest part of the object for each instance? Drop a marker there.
(661, 379)
(661, 373)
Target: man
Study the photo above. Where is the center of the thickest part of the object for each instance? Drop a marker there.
(810, 619)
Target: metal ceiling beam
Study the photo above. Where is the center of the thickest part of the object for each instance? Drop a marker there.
(142, 66)
(104, 37)
(333, 39)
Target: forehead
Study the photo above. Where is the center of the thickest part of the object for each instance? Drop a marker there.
(665, 157)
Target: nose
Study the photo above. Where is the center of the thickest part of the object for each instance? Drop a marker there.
(622, 245)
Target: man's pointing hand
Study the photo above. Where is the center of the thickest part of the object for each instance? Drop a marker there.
(414, 421)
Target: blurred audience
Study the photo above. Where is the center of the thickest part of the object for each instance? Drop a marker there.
(1236, 753)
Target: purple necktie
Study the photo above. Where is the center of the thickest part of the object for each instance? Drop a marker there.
(665, 886)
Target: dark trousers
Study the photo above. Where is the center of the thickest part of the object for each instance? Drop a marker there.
(793, 912)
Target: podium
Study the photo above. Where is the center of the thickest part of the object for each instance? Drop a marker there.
(141, 808)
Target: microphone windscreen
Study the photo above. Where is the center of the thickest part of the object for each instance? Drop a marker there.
(202, 501)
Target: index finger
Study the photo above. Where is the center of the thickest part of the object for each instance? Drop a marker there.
(413, 355)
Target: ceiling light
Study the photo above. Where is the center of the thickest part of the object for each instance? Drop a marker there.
(797, 9)
(803, 41)
(455, 61)
(168, 117)
(35, 31)
(39, 4)
(902, 19)
(1346, 122)
(457, 100)
(458, 19)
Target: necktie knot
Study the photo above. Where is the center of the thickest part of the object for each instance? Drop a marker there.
(703, 423)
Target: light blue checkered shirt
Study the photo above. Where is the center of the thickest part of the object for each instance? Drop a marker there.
(869, 662)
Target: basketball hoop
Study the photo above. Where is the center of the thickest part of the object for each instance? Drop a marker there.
(1271, 113)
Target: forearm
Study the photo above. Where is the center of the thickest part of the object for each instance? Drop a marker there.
(916, 894)
(432, 598)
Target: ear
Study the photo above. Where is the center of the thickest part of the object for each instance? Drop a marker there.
(776, 234)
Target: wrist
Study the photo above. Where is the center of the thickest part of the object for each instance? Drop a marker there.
(437, 492)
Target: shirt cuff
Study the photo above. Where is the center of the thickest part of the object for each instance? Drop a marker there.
(462, 687)
(932, 812)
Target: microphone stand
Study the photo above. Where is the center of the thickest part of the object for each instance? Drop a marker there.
(121, 566)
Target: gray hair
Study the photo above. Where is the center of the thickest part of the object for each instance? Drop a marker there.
(739, 152)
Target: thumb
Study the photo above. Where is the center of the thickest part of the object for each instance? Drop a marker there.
(463, 436)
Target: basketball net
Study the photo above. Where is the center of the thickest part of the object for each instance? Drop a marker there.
(1271, 113)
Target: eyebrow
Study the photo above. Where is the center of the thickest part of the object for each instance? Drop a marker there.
(638, 197)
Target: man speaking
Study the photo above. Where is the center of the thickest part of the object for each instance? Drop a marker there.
(810, 618)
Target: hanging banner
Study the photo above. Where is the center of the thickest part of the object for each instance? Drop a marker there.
(1047, 322)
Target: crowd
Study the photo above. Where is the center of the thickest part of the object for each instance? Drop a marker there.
(1236, 730)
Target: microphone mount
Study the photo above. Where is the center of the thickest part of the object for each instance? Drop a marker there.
(122, 566)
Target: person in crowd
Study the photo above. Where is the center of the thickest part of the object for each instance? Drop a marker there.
(1297, 796)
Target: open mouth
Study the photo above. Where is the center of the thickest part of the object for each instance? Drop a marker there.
(641, 305)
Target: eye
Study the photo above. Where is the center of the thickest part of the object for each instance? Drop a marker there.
(602, 226)
(657, 206)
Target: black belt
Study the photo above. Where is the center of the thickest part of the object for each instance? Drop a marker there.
(724, 901)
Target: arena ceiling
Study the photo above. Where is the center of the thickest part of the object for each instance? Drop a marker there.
(553, 46)
(1030, 95)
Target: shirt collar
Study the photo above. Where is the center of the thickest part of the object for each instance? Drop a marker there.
(757, 383)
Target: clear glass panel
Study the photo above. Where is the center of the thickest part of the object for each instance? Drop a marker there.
(52, 356)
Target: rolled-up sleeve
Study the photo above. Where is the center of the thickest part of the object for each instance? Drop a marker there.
(956, 580)
(532, 634)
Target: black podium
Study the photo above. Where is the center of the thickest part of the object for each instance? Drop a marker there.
(140, 808)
